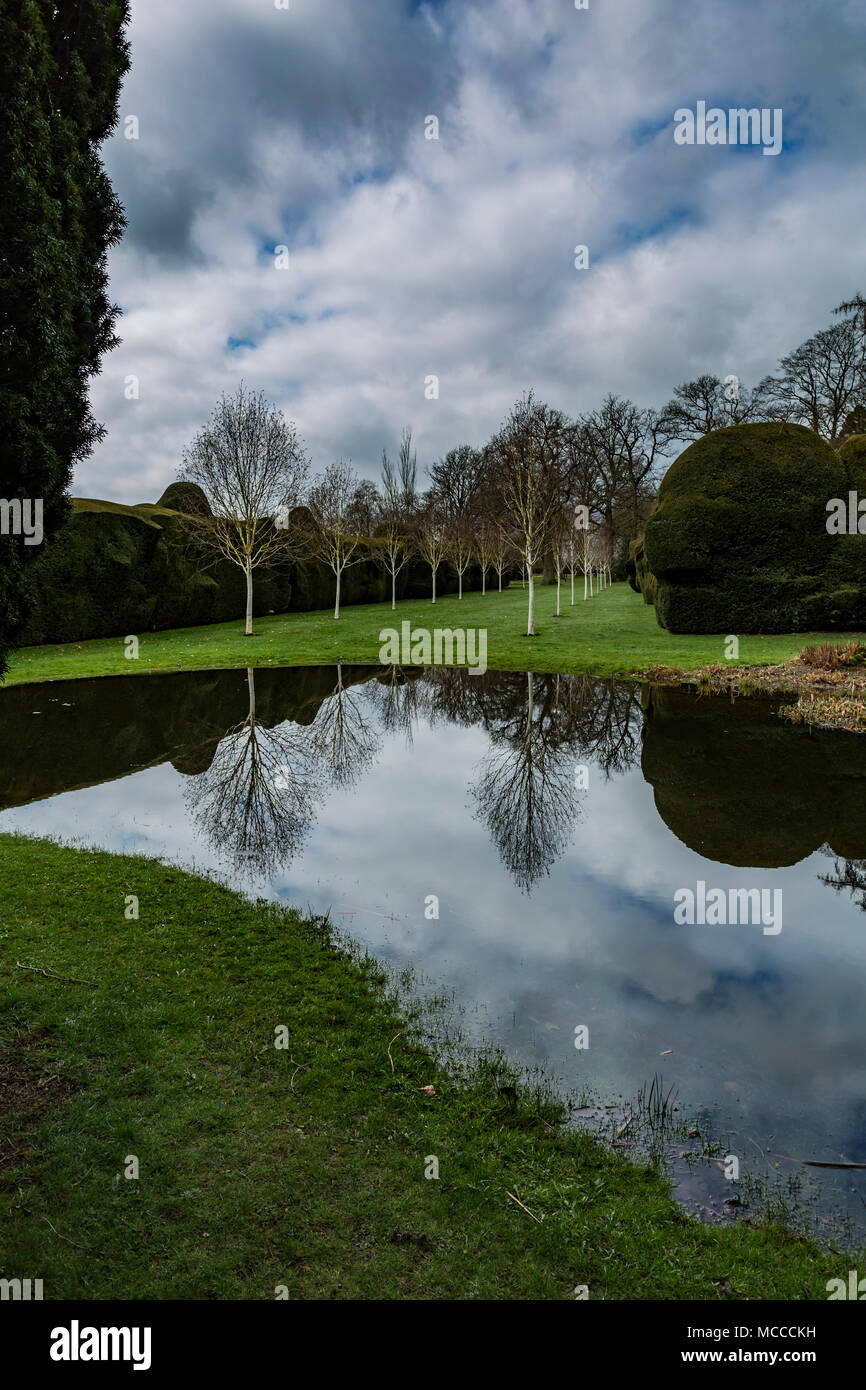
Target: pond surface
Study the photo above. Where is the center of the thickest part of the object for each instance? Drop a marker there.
(552, 822)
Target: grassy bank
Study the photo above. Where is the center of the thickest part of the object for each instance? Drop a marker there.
(305, 1166)
(614, 632)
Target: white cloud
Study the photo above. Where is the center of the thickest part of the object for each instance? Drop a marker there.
(454, 257)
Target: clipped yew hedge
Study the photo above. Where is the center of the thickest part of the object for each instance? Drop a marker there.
(114, 570)
(738, 540)
(638, 573)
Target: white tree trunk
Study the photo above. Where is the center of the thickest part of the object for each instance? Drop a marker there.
(483, 580)
(500, 581)
(248, 630)
(337, 596)
(557, 596)
(393, 589)
(584, 586)
(530, 626)
(433, 572)
(572, 588)
(460, 584)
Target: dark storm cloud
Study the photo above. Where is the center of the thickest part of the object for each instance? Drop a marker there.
(210, 86)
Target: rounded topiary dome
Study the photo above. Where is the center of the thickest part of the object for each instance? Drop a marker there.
(738, 541)
(186, 497)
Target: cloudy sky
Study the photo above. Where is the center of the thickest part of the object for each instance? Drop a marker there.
(412, 257)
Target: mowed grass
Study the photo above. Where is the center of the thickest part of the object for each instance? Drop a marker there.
(304, 1167)
(615, 632)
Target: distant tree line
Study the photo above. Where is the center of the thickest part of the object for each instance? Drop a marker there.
(546, 493)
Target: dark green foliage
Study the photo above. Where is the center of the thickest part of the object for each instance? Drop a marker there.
(61, 65)
(114, 570)
(186, 497)
(739, 543)
(852, 455)
(100, 730)
(638, 573)
(769, 795)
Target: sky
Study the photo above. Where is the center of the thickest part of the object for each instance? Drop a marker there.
(411, 258)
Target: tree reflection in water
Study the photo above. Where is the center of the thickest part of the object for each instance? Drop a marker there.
(847, 874)
(528, 792)
(259, 797)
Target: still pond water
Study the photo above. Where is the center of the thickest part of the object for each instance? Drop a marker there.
(554, 819)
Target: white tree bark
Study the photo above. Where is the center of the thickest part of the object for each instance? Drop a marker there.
(248, 629)
(530, 627)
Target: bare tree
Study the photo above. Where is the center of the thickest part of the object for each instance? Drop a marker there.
(331, 538)
(503, 552)
(394, 527)
(365, 508)
(822, 380)
(459, 546)
(485, 546)
(250, 463)
(854, 308)
(408, 472)
(559, 540)
(529, 456)
(455, 480)
(431, 540)
(707, 404)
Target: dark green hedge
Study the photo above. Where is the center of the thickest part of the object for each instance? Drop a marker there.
(738, 541)
(92, 731)
(638, 573)
(769, 793)
(114, 570)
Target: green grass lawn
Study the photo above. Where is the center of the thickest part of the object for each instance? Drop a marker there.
(301, 1167)
(614, 632)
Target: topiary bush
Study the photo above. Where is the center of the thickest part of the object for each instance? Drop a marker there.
(114, 570)
(803, 789)
(738, 541)
(638, 573)
(184, 496)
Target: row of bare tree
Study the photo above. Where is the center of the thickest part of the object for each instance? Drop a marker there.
(545, 492)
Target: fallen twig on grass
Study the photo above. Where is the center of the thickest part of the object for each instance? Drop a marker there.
(526, 1209)
(299, 1067)
(66, 1238)
(51, 975)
